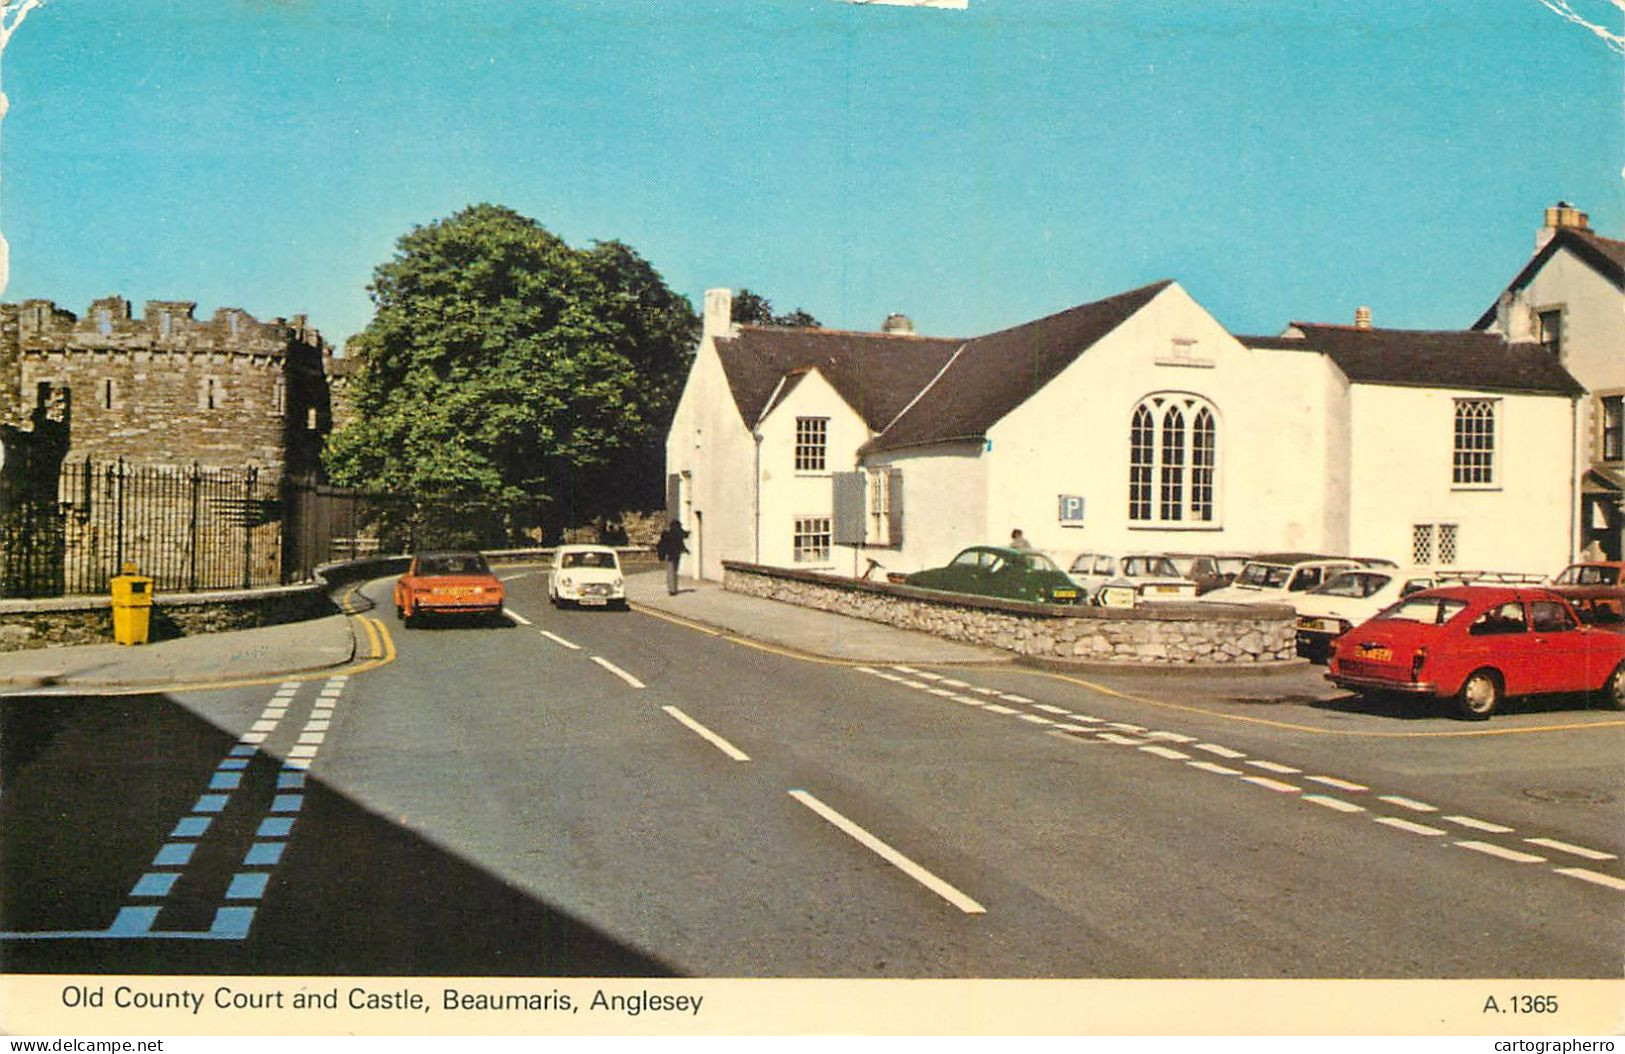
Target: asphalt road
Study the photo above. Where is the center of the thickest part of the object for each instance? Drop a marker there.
(606, 793)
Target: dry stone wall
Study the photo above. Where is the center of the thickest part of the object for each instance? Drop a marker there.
(1185, 634)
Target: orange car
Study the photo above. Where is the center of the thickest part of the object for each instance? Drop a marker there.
(447, 584)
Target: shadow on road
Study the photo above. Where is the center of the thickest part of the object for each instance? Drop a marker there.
(92, 790)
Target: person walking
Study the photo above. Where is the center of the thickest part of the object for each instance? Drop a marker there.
(1019, 540)
(670, 550)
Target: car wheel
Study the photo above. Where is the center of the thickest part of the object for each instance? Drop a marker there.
(1613, 693)
(1480, 695)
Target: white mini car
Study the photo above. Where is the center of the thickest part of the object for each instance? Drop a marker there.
(587, 575)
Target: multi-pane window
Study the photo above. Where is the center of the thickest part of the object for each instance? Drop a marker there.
(812, 444)
(1173, 461)
(1142, 455)
(1613, 427)
(1430, 540)
(1447, 544)
(812, 539)
(1473, 458)
(1422, 544)
(880, 507)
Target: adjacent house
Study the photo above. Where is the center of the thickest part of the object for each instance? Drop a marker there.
(1570, 299)
(1134, 422)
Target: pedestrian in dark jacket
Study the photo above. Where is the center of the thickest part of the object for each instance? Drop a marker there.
(670, 549)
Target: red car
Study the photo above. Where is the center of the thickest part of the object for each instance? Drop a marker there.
(1478, 645)
(447, 584)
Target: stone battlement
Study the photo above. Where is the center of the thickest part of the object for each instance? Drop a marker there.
(165, 327)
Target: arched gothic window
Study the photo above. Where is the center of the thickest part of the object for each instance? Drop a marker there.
(1173, 460)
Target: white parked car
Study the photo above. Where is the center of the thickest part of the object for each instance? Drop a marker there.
(1278, 578)
(1124, 581)
(1350, 598)
(588, 575)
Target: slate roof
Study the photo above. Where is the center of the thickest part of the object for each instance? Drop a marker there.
(992, 375)
(877, 373)
(1606, 255)
(1430, 358)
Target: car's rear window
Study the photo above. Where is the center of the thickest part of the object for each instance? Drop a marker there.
(1582, 575)
(1265, 576)
(1357, 584)
(1427, 610)
(455, 564)
(589, 560)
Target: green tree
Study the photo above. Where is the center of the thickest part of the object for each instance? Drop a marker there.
(753, 309)
(515, 381)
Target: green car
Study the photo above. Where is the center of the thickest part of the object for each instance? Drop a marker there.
(997, 571)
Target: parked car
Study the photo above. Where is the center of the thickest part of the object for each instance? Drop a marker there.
(1124, 581)
(586, 575)
(1351, 597)
(1592, 573)
(1277, 578)
(449, 583)
(998, 571)
(1209, 572)
(1602, 606)
(1479, 645)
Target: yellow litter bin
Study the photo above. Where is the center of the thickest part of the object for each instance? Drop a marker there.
(132, 606)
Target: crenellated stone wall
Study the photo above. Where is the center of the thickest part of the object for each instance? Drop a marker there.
(167, 388)
(1167, 634)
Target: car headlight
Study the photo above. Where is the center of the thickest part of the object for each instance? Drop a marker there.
(566, 582)
(618, 583)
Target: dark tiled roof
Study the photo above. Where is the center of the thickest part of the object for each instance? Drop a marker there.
(992, 375)
(1606, 255)
(1430, 358)
(876, 373)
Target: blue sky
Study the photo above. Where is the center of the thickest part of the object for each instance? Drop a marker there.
(975, 169)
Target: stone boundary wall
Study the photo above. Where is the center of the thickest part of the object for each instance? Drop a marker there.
(26, 624)
(1167, 634)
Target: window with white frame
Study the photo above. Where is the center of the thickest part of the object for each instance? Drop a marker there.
(812, 539)
(1473, 456)
(812, 444)
(880, 507)
(1173, 460)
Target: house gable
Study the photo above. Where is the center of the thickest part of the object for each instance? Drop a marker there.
(990, 376)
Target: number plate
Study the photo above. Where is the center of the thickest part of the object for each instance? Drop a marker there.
(1377, 654)
(593, 601)
(1066, 594)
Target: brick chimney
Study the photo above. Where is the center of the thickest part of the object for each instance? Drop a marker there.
(1560, 216)
(1362, 317)
(897, 323)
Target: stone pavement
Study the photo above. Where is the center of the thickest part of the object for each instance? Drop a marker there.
(270, 651)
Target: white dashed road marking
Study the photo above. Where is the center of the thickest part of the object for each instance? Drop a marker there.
(1271, 766)
(706, 734)
(1592, 876)
(1167, 752)
(1274, 785)
(1565, 847)
(890, 855)
(1223, 752)
(1214, 766)
(1408, 803)
(1504, 854)
(617, 671)
(556, 639)
(1479, 825)
(516, 616)
(1334, 803)
(1406, 825)
(1333, 781)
